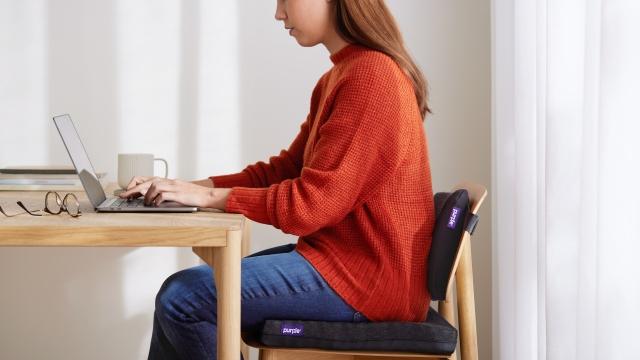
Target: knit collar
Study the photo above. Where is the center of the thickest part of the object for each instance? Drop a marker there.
(344, 53)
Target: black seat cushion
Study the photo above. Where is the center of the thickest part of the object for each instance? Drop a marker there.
(434, 336)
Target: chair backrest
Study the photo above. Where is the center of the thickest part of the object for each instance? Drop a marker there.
(456, 218)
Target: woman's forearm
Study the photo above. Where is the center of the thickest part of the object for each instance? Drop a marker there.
(204, 182)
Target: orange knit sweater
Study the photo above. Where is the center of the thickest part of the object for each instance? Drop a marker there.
(355, 186)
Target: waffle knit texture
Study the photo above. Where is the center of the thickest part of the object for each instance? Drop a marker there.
(355, 186)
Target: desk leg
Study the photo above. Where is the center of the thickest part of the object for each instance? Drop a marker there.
(246, 249)
(227, 262)
(227, 277)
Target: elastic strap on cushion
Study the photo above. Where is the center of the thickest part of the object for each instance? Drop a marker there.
(472, 222)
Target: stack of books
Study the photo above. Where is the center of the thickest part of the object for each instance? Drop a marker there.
(41, 178)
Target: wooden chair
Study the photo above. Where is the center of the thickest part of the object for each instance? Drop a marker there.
(463, 272)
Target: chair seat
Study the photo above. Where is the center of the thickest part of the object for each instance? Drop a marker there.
(434, 336)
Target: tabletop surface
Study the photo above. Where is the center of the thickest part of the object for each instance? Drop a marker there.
(205, 228)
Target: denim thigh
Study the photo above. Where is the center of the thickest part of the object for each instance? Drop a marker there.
(277, 283)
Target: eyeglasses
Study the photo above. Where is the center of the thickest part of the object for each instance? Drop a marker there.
(53, 204)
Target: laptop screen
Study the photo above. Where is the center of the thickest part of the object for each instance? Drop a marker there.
(80, 160)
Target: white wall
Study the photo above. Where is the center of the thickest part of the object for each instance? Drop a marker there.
(152, 76)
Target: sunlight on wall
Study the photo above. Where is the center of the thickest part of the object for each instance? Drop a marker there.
(148, 60)
(218, 138)
(23, 84)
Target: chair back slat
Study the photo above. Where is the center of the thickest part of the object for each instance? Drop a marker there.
(477, 194)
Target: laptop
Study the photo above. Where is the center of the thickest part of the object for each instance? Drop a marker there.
(90, 182)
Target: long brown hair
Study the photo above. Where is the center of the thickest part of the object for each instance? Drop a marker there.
(370, 23)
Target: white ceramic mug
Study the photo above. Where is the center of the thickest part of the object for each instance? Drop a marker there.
(130, 165)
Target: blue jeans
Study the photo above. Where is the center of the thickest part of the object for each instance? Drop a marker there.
(277, 283)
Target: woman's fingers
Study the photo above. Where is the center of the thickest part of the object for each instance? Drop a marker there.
(165, 196)
(131, 196)
(132, 193)
(157, 187)
(159, 190)
(135, 181)
(137, 190)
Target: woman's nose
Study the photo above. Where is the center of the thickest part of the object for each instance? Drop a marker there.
(280, 13)
(280, 16)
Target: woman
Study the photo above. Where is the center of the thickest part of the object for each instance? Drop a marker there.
(354, 185)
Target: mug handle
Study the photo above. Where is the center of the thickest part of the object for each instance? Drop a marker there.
(166, 166)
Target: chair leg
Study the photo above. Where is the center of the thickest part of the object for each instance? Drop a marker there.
(445, 308)
(384, 357)
(466, 305)
(276, 354)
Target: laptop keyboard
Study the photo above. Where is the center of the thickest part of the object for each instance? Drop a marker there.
(124, 203)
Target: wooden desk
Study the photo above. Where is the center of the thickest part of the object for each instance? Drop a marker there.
(218, 238)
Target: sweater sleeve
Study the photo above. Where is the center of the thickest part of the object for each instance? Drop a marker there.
(359, 146)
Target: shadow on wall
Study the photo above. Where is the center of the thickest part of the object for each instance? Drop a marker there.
(189, 81)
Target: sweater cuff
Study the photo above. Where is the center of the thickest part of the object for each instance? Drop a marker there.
(251, 202)
(231, 180)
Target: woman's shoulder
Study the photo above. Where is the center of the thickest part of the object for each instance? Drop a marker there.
(367, 59)
(371, 67)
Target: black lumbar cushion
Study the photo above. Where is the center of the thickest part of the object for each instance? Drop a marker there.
(451, 215)
(434, 336)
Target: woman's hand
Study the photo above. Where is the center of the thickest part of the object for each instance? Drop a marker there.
(158, 190)
(139, 180)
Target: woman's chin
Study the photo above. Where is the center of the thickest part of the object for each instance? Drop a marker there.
(306, 43)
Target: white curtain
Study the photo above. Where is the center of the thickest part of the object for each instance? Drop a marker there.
(566, 172)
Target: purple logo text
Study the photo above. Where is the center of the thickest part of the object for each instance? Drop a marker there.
(292, 329)
(453, 219)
